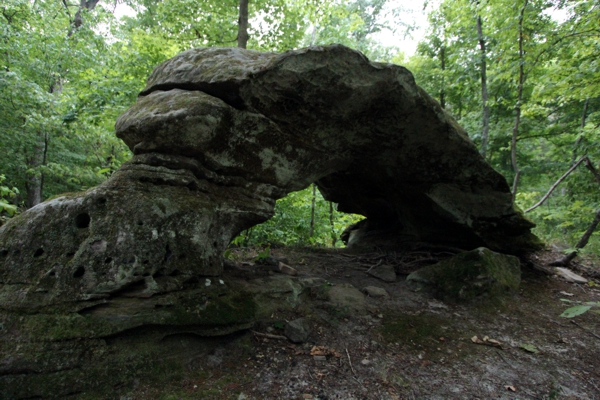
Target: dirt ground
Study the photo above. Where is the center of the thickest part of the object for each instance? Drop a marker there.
(409, 345)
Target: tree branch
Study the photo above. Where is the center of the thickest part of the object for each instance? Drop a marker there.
(562, 178)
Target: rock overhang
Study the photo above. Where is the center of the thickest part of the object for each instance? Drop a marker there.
(374, 142)
(203, 170)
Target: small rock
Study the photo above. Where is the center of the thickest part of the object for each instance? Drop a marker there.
(345, 296)
(320, 358)
(307, 396)
(242, 396)
(365, 362)
(569, 275)
(297, 330)
(375, 291)
(386, 273)
(286, 269)
(436, 304)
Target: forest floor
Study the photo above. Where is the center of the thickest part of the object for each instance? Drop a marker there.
(408, 345)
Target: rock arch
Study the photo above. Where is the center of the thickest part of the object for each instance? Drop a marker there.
(218, 135)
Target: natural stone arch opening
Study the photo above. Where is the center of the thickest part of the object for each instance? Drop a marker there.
(291, 223)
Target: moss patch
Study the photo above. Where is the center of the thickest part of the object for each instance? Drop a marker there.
(472, 274)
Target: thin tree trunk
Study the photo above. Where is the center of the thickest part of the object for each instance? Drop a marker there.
(333, 235)
(312, 211)
(580, 138)
(242, 38)
(484, 91)
(593, 170)
(566, 259)
(443, 88)
(34, 184)
(515, 132)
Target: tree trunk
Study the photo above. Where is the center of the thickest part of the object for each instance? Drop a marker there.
(580, 138)
(34, 184)
(515, 132)
(77, 22)
(312, 211)
(242, 38)
(443, 65)
(484, 91)
(333, 235)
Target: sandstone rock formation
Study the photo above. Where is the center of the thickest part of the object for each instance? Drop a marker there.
(218, 135)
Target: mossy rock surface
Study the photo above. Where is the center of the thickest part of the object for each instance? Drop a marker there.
(472, 274)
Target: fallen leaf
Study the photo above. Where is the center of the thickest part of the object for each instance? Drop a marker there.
(486, 341)
(510, 387)
(475, 339)
(567, 294)
(323, 351)
(574, 311)
(530, 348)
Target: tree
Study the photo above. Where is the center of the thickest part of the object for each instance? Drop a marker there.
(242, 37)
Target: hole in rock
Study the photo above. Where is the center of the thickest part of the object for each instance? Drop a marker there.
(140, 223)
(70, 254)
(101, 201)
(95, 309)
(38, 252)
(130, 289)
(107, 260)
(168, 254)
(3, 253)
(175, 272)
(159, 273)
(146, 262)
(192, 186)
(82, 220)
(53, 273)
(79, 272)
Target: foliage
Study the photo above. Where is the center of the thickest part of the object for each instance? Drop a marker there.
(7, 198)
(579, 309)
(560, 107)
(291, 223)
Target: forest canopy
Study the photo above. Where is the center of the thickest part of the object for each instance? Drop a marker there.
(522, 77)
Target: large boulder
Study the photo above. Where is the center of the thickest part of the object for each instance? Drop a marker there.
(218, 135)
(471, 275)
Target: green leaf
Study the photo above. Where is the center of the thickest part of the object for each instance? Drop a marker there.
(529, 348)
(9, 208)
(574, 311)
